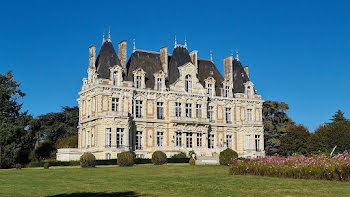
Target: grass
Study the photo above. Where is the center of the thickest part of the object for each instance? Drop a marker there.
(149, 180)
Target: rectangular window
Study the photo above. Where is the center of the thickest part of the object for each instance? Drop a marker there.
(108, 156)
(227, 91)
(249, 114)
(229, 141)
(108, 137)
(188, 110)
(115, 104)
(88, 139)
(199, 139)
(210, 89)
(178, 139)
(198, 111)
(120, 137)
(115, 78)
(160, 111)
(159, 83)
(248, 144)
(138, 109)
(210, 113)
(211, 141)
(178, 109)
(159, 138)
(138, 81)
(228, 114)
(248, 92)
(189, 140)
(138, 140)
(257, 143)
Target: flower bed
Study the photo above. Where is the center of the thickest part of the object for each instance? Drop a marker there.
(300, 167)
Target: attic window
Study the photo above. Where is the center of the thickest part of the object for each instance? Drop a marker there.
(248, 92)
(115, 78)
(211, 72)
(188, 83)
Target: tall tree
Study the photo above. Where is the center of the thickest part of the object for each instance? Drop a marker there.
(276, 122)
(15, 138)
(339, 117)
(295, 140)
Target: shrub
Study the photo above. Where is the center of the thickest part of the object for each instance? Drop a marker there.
(192, 162)
(191, 153)
(159, 158)
(226, 156)
(46, 165)
(87, 160)
(125, 159)
(43, 151)
(179, 155)
(68, 142)
(18, 166)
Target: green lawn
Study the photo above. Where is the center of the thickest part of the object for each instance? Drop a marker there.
(149, 180)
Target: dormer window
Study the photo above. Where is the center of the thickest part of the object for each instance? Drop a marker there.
(210, 89)
(159, 83)
(227, 91)
(248, 92)
(115, 78)
(138, 81)
(188, 83)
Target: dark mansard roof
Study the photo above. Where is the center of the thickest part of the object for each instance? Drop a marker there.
(179, 57)
(239, 76)
(106, 59)
(150, 62)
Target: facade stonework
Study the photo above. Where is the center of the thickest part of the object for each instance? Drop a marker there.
(138, 105)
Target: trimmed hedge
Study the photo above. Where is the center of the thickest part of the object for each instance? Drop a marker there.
(226, 156)
(88, 160)
(103, 162)
(125, 159)
(159, 158)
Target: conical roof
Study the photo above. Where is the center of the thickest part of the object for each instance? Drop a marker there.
(179, 57)
(106, 59)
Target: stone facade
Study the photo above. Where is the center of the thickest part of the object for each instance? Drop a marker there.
(129, 111)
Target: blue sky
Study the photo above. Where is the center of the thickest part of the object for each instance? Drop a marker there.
(298, 51)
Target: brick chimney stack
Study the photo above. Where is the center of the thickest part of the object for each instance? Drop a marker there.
(228, 68)
(122, 54)
(92, 56)
(194, 59)
(164, 59)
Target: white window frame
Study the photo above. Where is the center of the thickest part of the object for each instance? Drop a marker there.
(115, 104)
(177, 109)
(228, 114)
(227, 91)
(160, 138)
(138, 143)
(178, 136)
(188, 83)
(229, 141)
(138, 109)
(188, 110)
(115, 78)
(160, 110)
(108, 137)
(159, 83)
(108, 156)
(119, 137)
(138, 81)
(257, 143)
(198, 111)
(210, 113)
(249, 115)
(248, 142)
(248, 92)
(199, 139)
(189, 140)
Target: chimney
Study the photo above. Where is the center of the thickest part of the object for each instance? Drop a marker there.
(122, 54)
(194, 59)
(228, 68)
(246, 70)
(92, 56)
(164, 59)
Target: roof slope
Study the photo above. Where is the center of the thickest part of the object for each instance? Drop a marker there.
(106, 59)
(239, 76)
(206, 68)
(179, 57)
(149, 62)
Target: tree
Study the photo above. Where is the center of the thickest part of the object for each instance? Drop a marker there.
(339, 117)
(295, 140)
(15, 137)
(59, 125)
(276, 122)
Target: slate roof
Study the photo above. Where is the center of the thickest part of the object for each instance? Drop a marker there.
(205, 68)
(179, 57)
(148, 61)
(239, 76)
(107, 58)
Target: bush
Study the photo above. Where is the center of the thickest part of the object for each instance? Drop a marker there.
(18, 166)
(226, 156)
(159, 158)
(179, 155)
(45, 150)
(87, 160)
(125, 159)
(192, 162)
(191, 153)
(46, 165)
(68, 142)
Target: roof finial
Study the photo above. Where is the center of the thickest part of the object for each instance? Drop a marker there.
(185, 41)
(237, 56)
(232, 52)
(175, 42)
(134, 48)
(109, 34)
(211, 55)
(103, 37)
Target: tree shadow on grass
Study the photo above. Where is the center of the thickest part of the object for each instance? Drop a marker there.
(100, 194)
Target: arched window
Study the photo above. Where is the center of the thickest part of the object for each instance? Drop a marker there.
(188, 83)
